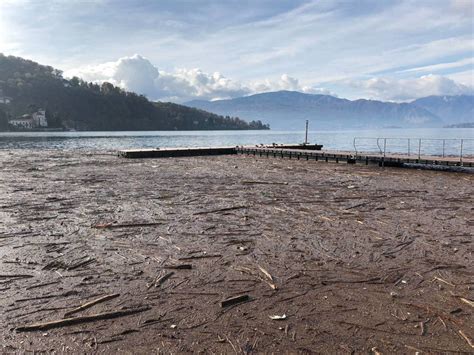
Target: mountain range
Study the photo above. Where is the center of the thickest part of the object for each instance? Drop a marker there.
(289, 109)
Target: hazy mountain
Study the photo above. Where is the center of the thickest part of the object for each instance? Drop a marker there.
(451, 109)
(289, 109)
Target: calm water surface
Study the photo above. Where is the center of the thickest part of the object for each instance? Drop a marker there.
(337, 140)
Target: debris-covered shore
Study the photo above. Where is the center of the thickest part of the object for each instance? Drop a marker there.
(232, 254)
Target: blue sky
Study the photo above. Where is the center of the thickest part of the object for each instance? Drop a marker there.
(182, 50)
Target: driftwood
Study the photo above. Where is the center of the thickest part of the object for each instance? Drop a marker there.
(79, 320)
(264, 182)
(466, 338)
(163, 278)
(125, 225)
(80, 264)
(221, 210)
(200, 257)
(42, 285)
(179, 267)
(465, 300)
(15, 276)
(90, 304)
(234, 300)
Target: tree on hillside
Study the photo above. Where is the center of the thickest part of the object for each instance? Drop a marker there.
(77, 104)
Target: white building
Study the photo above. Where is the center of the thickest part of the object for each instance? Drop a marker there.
(39, 118)
(35, 120)
(24, 122)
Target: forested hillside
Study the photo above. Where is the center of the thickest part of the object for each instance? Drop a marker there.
(76, 104)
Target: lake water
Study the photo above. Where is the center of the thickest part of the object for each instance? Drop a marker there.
(333, 140)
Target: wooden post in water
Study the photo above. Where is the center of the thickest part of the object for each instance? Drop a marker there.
(306, 135)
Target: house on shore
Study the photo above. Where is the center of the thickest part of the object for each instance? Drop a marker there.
(34, 121)
(23, 122)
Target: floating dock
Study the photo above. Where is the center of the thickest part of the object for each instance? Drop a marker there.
(202, 151)
(304, 152)
(352, 158)
(176, 152)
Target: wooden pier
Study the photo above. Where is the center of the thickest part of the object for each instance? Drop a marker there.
(176, 152)
(361, 158)
(306, 153)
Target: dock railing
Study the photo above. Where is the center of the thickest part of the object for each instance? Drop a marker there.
(458, 149)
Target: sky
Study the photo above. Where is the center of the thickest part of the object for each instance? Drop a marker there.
(180, 50)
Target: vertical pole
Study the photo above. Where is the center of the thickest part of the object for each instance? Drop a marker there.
(306, 135)
(419, 149)
(444, 144)
(460, 152)
(408, 146)
(384, 151)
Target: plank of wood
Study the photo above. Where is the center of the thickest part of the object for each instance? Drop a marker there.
(91, 303)
(234, 300)
(79, 320)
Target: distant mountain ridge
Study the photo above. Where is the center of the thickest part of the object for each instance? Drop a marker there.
(289, 109)
(451, 109)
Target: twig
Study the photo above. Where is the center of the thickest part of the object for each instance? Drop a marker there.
(90, 304)
(81, 263)
(200, 257)
(469, 341)
(465, 300)
(267, 274)
(163, 278)
(125, 225)
(42, 284)
(221, 210)
(265, 182)
(179, 267)
(270, 283)
(15, 276)
(446, 282)
(78, 320)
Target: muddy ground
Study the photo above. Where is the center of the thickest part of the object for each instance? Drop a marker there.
(355, 259)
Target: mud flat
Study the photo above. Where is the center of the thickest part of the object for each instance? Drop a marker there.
(103, 254)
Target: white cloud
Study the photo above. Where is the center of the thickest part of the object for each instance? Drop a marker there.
(139, 75)
(442, 66)
(409, 89)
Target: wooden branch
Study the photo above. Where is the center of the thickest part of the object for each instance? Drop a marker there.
(221, 210)
(79, 320)
(265, 182)
(179, 267)
(234, 300)
(90, 304)
(125, 225)
(205, 256)
(163, 278)
(466, 338)
(14, 276)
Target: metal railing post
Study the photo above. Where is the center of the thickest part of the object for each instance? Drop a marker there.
(460, 151)
(384, 151)
(444, 144)
(378, 145)
(419, 149)
(354, 144)
(408, 146)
